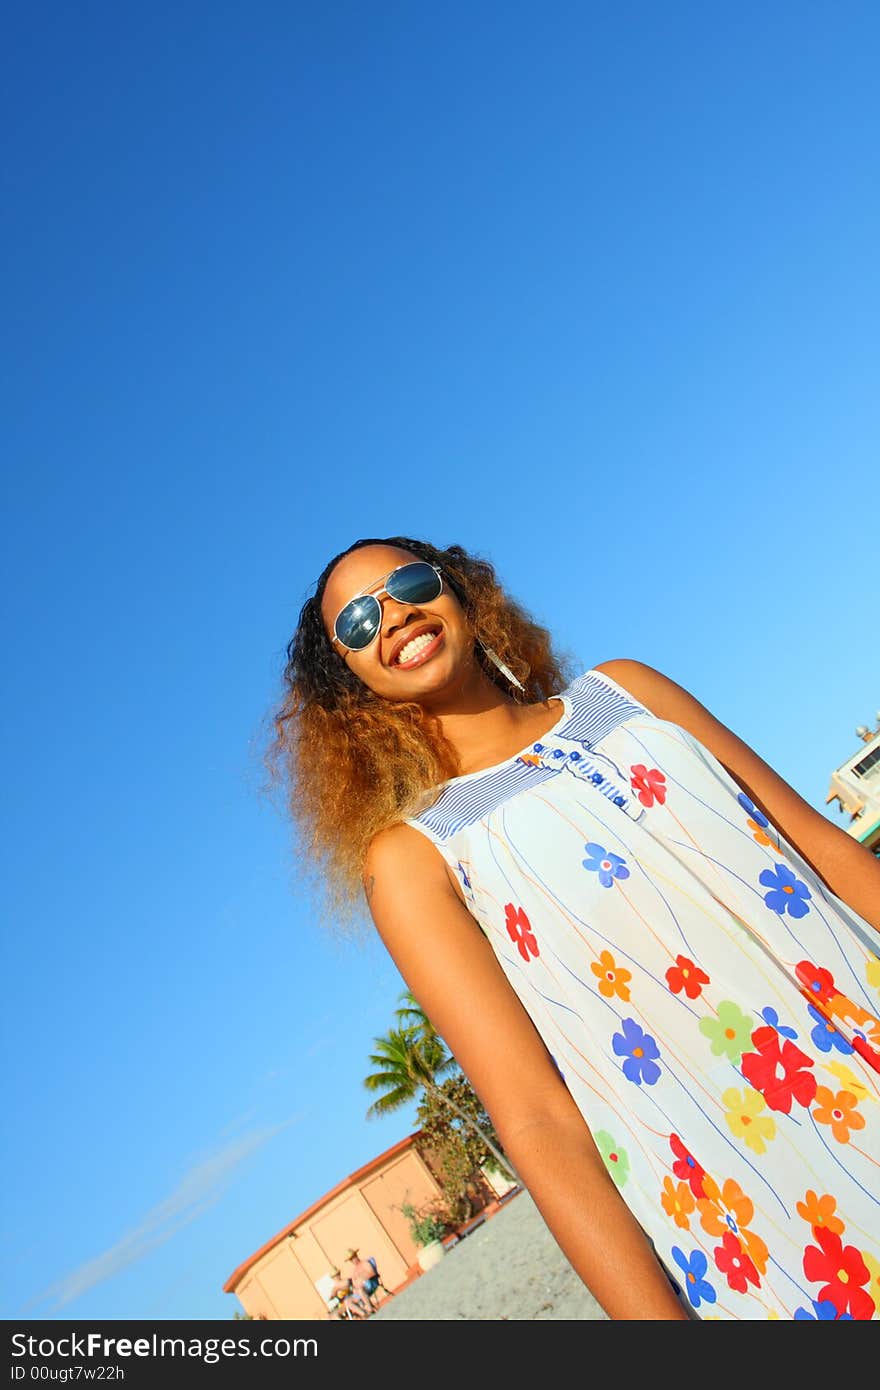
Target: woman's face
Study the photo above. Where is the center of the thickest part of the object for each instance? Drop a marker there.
(395, 665)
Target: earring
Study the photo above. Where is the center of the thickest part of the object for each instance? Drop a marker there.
(505, 670)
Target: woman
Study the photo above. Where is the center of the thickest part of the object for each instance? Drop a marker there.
(345, 1301)
(656, 963)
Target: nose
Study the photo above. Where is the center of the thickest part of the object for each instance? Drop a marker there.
(396, 615)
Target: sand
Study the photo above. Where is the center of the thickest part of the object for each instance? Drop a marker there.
(508, 1269)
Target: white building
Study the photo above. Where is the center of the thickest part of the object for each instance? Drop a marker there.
(855, 786)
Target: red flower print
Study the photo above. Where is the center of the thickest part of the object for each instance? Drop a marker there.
(519, 929)
(761, 1069)
(650, 784)
(816, 981)
(684, 975)
(842, 1271)
(735, 1264)
(840, 1111)
(686, 1166)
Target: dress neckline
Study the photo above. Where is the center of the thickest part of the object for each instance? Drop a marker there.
(564, 699)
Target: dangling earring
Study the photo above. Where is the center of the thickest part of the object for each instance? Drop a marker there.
(505, 670)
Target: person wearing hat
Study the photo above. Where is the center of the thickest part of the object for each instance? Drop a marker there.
(365, 1279)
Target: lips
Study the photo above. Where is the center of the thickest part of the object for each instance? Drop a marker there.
(417, 630)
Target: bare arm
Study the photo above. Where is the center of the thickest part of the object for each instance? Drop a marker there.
(849, 870)
(451, 970)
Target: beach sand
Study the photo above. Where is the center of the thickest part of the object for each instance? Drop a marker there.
(509, 1268)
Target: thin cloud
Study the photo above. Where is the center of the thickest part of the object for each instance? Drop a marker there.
(199, 1189)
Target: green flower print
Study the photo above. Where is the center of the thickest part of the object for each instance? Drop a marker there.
(614, 1157)
(730, 1033)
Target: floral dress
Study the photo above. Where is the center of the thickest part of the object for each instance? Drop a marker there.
(711, 1006)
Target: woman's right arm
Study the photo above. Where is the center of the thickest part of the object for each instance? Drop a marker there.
(452, 971)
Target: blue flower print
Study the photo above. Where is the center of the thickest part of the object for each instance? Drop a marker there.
(698, 1289)
(640, 1050)
(825, 1035)
(824, 1312)
(463, 871)
(602, 862)
(751, 808)
(787, 892)
(771, 1017)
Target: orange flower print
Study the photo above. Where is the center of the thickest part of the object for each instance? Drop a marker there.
(759, 835)
(678, 1202)
(840, 1111)
(757, 821)
(819, 1211)
(613, 979)
(728, 1210)
(744, 1118)
(684, 975)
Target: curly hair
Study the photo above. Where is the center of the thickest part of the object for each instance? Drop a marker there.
(352, 763)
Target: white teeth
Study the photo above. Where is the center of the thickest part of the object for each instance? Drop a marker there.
(413, 648)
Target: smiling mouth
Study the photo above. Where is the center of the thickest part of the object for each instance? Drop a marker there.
(418, 648)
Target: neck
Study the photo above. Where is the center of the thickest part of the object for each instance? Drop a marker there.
(483, 723)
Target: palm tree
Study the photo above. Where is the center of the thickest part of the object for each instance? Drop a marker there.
(409, 1060)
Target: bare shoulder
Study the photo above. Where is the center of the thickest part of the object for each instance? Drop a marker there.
(401, 864)
(656, 691)
(400, 847)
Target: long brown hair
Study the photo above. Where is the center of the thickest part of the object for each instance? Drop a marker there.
(352, 763)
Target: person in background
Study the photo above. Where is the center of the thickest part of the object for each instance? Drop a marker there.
(364, 1277)
(348, 1303)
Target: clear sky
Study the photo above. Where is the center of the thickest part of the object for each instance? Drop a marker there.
(591, 289)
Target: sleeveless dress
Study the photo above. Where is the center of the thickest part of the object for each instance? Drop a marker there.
(711, 1006)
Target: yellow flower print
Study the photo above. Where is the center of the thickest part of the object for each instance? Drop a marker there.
(744, 1118)
(840, 1111)
(819, 1211)
(678, 1201)
(873, 1285)
(849, 1081)
(612, 979)
(872, 973)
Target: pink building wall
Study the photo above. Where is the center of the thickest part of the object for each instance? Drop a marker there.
(362, 1212)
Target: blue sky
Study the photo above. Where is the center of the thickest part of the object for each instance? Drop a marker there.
(589, 289)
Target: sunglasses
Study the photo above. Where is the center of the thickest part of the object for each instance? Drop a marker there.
(358, 623)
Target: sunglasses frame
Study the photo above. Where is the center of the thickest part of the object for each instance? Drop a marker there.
(378, 591)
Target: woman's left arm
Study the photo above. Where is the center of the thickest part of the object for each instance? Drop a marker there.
(850, 870)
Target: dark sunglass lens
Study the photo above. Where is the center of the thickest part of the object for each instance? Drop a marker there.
(416, 583)
(358, 622)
